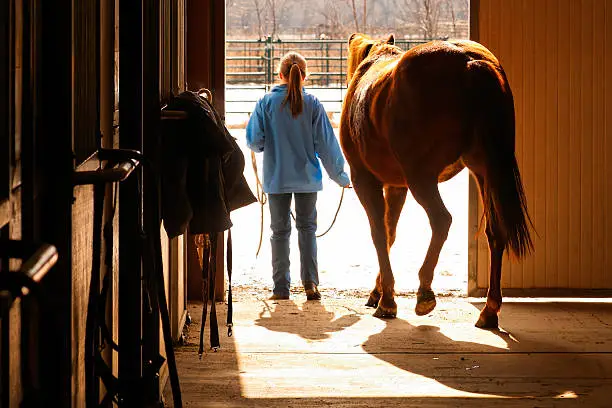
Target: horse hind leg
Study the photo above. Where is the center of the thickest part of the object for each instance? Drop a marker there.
(395, 197)
(370, 192)
(426, 193)
(489, 316)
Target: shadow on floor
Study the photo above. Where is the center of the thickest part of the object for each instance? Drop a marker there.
(538, 361)
(312, 321)
(564, 358)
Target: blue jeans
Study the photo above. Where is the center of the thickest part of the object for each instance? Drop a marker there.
(306, 224)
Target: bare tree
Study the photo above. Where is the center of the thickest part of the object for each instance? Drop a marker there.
(260, 10)
(464, 8)
(355, 18)
(457, 10)
(425, 18)
(239, 15)
(450, 5)
(365, 16)
(278, 9)
(389, 10)
(379, 14)
(334, 22)
(427, 14)
(404, 13)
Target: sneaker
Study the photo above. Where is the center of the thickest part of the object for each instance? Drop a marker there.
(277, 296)
(312, 293)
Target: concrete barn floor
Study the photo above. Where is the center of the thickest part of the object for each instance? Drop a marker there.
(295, 353)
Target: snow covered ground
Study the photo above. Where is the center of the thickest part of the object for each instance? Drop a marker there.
(347, 259)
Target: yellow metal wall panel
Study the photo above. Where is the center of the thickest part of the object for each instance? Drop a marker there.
(552, 145)
(563, 153)
(535, 279)
(586, 142)
(598, 142)
(558, 58)
(527, 123)
(574, 144)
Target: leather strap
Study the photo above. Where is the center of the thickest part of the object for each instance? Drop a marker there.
(230, 309)
(209, 271)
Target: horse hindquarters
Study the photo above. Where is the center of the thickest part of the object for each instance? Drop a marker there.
(494, 163)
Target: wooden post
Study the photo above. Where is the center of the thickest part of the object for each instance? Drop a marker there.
(474, 207)
(205, 58)
(130, 118)
(151, 139)
(47, 165)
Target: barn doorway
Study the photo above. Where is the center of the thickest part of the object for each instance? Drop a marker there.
(334, 352)
(347, 258)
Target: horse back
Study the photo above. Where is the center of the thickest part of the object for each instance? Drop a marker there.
(412, 110)
(428, 112)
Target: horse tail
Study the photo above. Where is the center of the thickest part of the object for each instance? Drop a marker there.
(505, 205)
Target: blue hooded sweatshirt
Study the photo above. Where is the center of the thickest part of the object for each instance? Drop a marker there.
(293, 146)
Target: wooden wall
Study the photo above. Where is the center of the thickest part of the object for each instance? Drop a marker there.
(57, 94)
(10, 189)
(82, 238)
(109, 126)
(558, 58)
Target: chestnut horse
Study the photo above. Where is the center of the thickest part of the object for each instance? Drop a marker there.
(414, 119)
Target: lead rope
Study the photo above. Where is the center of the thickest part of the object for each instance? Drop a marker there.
(262, 198)
(335, 215)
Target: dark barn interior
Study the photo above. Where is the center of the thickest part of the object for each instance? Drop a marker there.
(95, 296)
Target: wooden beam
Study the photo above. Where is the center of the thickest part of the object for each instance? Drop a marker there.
(198, 41)
(205, 58)
(474, 20)
(217, 85)
(48, 163)
(151, 143)
(6, 99)
(205, 54)
(474, 206)
(130, 137)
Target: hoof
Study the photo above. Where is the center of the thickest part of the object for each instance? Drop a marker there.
(487, 320)
(385, 313)
(426, 302)
(373, 299)
(388, 310)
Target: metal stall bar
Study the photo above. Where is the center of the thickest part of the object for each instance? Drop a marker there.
(26, 281)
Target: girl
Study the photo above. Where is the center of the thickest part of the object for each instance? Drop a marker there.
(292, 129)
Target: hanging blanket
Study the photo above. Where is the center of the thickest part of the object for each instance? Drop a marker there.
(202, 170)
